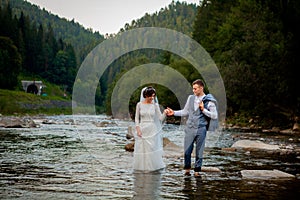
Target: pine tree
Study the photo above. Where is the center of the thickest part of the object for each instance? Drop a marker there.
(10, 63)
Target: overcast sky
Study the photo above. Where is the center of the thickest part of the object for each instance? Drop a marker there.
(105, 16)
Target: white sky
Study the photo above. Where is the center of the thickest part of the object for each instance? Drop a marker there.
(105, 16)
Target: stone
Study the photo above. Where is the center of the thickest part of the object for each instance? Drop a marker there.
(102, 124)
(287, 131)
(266, 174)
(130, 132)
(17, 122)
(296, 127)
(129, 147)
(49, 121)
(171, 149)
(254, 144)
(210, 169)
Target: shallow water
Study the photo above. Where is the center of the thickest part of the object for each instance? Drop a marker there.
(75, 159)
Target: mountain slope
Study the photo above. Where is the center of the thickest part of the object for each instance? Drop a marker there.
(178, 16)
(82, 39)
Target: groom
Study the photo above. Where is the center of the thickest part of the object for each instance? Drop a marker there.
(196, 129)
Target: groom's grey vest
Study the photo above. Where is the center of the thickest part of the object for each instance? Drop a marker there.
(196, 118)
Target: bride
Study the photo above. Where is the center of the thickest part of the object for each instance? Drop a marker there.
(148, 147)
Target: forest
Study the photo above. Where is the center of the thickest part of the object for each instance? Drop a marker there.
(34, 51)
(254, 43)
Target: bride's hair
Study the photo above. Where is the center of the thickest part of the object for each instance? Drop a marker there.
(148, 92)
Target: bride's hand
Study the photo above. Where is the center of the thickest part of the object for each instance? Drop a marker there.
(139, 133)
(170, 112)
(166, 111)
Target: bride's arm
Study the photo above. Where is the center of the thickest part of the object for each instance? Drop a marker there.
(161, 116)
(137, 120)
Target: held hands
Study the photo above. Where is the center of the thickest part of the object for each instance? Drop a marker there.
(168, 111)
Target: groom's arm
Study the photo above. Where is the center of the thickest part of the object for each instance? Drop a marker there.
(184, 111)
(211, 110)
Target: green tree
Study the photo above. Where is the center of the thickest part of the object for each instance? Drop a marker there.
(10, 63)
(71, 66)
(63, 69)
(253, 44)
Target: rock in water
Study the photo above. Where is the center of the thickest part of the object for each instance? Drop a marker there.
(265, 174)
(254, 144)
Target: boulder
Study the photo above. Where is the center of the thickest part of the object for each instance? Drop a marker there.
(265, 174)
(296, 127)
(48, 121)
(104, 123)
(129, 147)
(171, 149)
(254, 144)
(210, 169)
(130, 132)
(17, 122)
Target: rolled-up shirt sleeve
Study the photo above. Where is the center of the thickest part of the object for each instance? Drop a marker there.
(211, 110)
(184, 111)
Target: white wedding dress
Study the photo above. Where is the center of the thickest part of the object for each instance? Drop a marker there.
(148, 149)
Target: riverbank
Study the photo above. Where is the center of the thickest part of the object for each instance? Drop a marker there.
(20, 120)
(20, 103)
(64, 108)
(251, 124)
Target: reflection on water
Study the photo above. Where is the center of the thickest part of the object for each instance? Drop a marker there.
(147, 185)
(192, 188)
(80, 160)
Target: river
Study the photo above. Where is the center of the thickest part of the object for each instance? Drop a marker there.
(73, 158)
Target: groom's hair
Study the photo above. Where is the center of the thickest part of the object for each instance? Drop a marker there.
(148, 92)
(199, 82)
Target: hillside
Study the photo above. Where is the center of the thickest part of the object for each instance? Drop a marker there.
(178, 16)
(82, 39)
(21, 103)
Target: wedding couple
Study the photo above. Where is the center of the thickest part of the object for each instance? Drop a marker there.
(148, 149)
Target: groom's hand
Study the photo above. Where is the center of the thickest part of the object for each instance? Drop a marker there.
(170, 112)
(201, 106)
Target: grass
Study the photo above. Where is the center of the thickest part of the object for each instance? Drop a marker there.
(11, 103)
